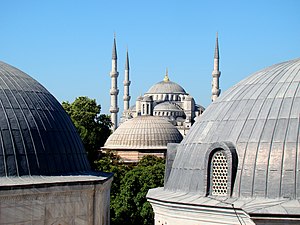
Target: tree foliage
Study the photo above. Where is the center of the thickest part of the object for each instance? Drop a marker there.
(130, 186)
(93, 127)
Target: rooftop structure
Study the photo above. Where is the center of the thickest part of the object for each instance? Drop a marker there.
(45, 177)
(239, 162)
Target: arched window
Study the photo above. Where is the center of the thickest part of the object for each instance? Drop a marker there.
(219, 174)
(222, 161)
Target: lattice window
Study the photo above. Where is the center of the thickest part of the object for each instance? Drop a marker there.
(219, 174)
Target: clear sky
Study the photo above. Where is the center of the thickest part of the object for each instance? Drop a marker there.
(66, 44)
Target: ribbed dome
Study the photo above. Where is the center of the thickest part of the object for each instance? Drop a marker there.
(166, 87)
(143, 132)
(37, 136)
(259, 119)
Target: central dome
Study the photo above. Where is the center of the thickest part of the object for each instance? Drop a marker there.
(37, 137)
(166, 87)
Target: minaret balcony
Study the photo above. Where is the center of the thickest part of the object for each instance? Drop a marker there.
(114, 74)
(114, 91)
(216, 92)
(126, 98)
(216, 73)
(126, 82)
(114, 109)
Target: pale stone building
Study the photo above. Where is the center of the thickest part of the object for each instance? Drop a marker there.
(165, 99)
(165, 103)
(168, 100)
(45, 177)
(239, 163)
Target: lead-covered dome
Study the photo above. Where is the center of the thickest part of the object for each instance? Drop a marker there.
(167, 106)
(143, 132)
(166, 87)
(37, 137)
(255, 128)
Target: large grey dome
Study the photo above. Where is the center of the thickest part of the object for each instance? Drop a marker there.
(143, 132)
(37, 136)
(257, 121)
(166, 87)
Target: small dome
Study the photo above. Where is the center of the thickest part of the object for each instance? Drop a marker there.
(143, 132)
(139, 98)
(37, 137)
(147, 99)
(166, 87)
(167, 106)
(258, 120)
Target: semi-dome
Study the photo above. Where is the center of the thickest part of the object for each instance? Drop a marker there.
(167, 106)
(143, 132)
(256, 126)
(37, 137)
(166, 87)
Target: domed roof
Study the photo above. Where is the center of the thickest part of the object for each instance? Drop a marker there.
(37, 136)
(143, 132)
(166, 87)
(258, 119)
(167, 106)
(147, 98)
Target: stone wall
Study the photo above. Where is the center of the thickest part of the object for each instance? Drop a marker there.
(134, 156)
(64, 203)
(170, 213)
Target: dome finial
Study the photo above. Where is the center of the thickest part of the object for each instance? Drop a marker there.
(166, 79)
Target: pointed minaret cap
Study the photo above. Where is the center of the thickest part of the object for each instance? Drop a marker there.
(127, 61)
(217, 48)
(166, 79)
(114, 49)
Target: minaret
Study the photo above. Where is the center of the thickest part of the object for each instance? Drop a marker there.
(215, 91)
(114, 88)
(126, 83)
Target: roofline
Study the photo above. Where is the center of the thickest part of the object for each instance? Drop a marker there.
(134, 148)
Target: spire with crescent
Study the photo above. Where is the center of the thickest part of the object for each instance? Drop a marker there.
(166, 78)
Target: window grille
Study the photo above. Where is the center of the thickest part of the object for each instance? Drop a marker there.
(219, 174)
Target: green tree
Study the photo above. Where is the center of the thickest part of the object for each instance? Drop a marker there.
(93, 127)
(109, 162)
(130, 205)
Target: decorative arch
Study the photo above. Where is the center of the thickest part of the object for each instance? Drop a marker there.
(221, 167)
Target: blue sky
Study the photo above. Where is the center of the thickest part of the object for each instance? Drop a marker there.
(66, 44)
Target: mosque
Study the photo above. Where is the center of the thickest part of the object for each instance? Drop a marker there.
(45, 176)
(164, 114)
(239, 163)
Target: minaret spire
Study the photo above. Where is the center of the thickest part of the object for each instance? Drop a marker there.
(114, 49)
(216, 73)
(217, 47)
(114, 91)
(126, 83)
